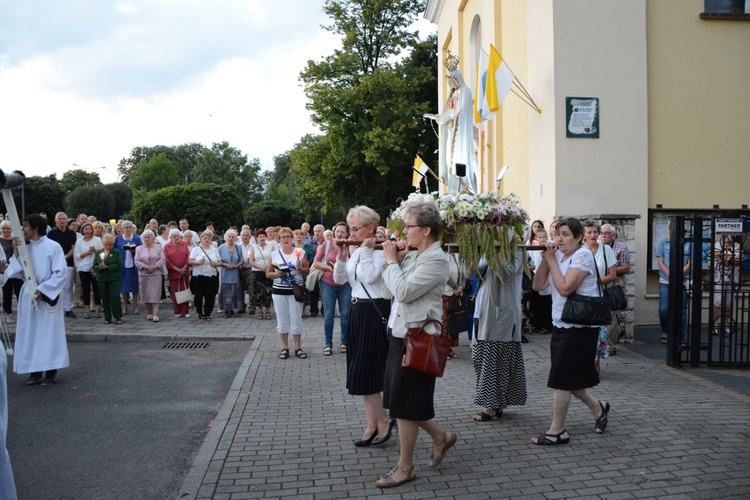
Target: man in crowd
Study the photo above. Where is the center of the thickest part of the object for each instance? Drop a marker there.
(622, 267)
(314, 243)
(82, 219)
(305, 227)
(184, 225)
(246, 272)
(67, 241)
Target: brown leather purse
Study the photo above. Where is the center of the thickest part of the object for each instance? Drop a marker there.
(424, 352)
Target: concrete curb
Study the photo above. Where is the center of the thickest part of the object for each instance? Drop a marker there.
(194, 480)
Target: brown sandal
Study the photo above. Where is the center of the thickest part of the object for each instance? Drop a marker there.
(387, 481)
(447, 444)
(284, 354)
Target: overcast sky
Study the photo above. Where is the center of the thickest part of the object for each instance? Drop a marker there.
(83, 82)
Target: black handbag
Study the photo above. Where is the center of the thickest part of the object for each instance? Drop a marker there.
(615, 293)
(585, 310)
(458, 322)
(300, 292)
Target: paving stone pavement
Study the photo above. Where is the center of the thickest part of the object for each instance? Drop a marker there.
(286, 427)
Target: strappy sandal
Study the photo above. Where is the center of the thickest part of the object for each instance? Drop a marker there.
(483, 416)
(447, 444)
(327, 351)
(284, 354)
(268, 315)
(260, 315)
(601, 422)
(299, 353)
(544, 439)
(387, 481)
(342, 349)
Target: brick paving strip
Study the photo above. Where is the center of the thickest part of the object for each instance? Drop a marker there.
(286, 430)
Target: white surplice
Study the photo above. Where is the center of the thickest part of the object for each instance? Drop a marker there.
(40, 329)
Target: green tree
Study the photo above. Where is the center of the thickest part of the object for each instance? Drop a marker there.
(122, 198)
(152, 175)
(196, 202)
(92, 200)
(368, 107)
(184, 158)
(223, 164)
(41, 194)
(76, 178)
(273, 213)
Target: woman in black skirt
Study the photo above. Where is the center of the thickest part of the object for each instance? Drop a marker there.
(569, 268)
(417, 284)
(367, 338)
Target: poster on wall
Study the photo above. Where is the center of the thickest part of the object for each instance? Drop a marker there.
(582, 117)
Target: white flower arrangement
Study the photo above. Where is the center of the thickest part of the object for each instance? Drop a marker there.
(481, 226)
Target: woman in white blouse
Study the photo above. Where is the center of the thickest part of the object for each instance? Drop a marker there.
(367, 338)
(204, 284)
(83, 255)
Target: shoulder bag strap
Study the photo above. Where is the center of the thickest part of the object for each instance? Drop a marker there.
(599, 285)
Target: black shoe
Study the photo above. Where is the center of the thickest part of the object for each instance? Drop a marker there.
(312, 314)
(70, 314)
(524, 340)
(385, 438)
(366, 442)
(48, 381)
(34, 379)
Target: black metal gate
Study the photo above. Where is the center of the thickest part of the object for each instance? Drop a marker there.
(709, 289)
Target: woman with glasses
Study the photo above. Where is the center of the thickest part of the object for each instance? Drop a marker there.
(286, 264)
(416, 279)
(126, 244)
(367, 339)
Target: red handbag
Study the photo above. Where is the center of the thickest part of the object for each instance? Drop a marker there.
(424, 352)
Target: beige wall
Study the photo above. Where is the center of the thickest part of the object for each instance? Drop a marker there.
(675, 107)
(699, 107)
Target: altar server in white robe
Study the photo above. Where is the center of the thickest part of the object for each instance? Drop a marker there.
(41, 348)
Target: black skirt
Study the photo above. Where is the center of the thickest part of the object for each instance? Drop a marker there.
(572, 352)
(367, 347)
(407, 393)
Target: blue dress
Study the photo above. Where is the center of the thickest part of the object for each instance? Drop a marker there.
(129, 281)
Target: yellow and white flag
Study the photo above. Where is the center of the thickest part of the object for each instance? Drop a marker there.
(420, 170)
(482, 111)
(499, 80)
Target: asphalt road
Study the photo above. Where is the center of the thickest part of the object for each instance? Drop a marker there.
(124, 421)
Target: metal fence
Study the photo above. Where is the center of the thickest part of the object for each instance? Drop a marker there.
(709, 289)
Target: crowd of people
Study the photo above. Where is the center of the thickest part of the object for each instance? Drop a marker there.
(381, 286)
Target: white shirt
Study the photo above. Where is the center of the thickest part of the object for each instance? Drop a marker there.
(85, 263)
(582, 259)
(363, 269)
(210, 255)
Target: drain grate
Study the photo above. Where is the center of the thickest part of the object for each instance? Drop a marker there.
(185, 345)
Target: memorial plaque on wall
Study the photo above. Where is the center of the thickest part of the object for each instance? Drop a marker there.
(582, 117)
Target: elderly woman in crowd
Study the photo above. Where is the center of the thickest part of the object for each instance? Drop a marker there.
(107, 263)
(605, 262)
(260, 256)
(204, 283)
(189, 238)
(176, 256)
(299, 242)
(12, 285)
(231, 258)
(367, 340)
(287, 264)
(126, 244)
(568, 268)
(496, 349)
(331, 292)
(83, 256)
(149, 259)
(98, 228)
(416, 279)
